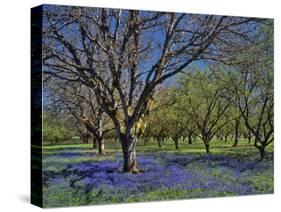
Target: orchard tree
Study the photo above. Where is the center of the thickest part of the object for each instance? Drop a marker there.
(122, 55)
(189, 129)
(157, 121)
(250, 86)
(167, 123)
(247, 134)
(203, 102)
(180, 123)
(255, 92)
(159, 127)
(80, 102)
(233, 128)
(256, 104)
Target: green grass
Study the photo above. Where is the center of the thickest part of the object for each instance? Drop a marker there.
(217, 147)
(62, 194)
(244, 150)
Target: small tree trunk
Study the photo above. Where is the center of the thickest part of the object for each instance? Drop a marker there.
(145, 141)
(176, 141)
(249, 137)
(236, 138)
(86, 138)
(94, 142)
(261, 147)
(262, 153)
(235, 144)
(189, 138)
(206, 139)
(159, 142)
(207, 147)
(225, 138)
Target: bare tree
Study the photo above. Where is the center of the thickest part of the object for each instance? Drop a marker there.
(256, 104)
(80, 102)
(251, 87)
(122, 55)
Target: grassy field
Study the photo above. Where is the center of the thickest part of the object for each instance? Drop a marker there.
(76, 175)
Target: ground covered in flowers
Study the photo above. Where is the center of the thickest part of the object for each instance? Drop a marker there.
(76, 175)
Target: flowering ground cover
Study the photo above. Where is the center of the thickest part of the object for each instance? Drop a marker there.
(76, 175)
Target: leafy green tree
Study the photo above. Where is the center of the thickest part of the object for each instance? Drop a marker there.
(250, 86)
(159, 120)
(54, 131)
(202, 100)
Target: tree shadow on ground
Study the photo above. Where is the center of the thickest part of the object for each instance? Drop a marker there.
(234, 162)
(85, 176)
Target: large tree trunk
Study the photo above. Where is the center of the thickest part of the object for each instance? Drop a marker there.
(129, 153)
(100, 142)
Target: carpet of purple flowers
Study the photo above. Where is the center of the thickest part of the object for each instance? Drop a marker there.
(73, 176)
